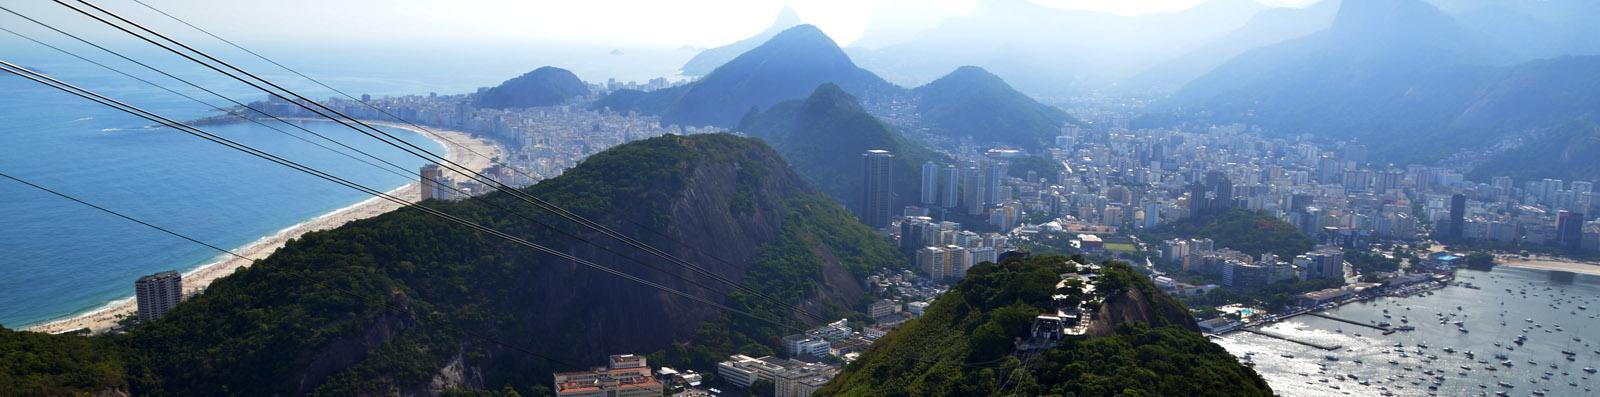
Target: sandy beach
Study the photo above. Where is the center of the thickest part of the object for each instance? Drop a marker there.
(196, 280)
(1546, 263)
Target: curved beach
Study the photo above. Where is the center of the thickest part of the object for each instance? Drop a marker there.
(195, 280)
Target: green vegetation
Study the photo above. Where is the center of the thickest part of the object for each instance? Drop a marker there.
(34, 364)
(788, 270)
(1367, 262)
(1567, 152)
(1249, 232)
(653, 102)
(546, 86)
(972, 102)
(824, 136)
(1120, 247)
(1273, 296)
(962, 345)
(1041, 166)
(1480, 260)
(383, 304)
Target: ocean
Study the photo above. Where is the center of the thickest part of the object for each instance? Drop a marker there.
(61, 258)
(1555, 311)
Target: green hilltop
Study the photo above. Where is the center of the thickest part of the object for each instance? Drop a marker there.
(824, 136)
(972, 102)
(545, 86)
(963, 344)
(408, 303)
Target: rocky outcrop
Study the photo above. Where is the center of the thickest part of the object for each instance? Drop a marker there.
(1134, 306)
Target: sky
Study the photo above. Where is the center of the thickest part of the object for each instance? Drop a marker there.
(622, 23)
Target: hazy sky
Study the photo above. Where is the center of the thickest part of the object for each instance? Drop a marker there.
(631, 23)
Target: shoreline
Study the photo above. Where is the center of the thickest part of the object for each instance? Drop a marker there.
(1550, 264)
(195, 280)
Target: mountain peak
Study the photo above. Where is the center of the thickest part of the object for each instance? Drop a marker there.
(786, 18)
(789, 66)
(830, 96)
(806, 34)
(973, 74)
(708, 60)
(970, 101)
(1372, 16)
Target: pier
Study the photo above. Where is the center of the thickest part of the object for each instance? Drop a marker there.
(1277, 336)
(1348, 321)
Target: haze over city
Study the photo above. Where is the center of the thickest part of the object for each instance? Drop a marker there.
(806, 198)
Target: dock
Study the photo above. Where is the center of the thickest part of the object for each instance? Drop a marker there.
(1348, 321)
(1303, 342)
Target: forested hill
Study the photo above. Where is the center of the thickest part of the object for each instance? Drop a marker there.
(972, 102)
(546, 86)
(824, 136)
(406, 303)
(963, 344)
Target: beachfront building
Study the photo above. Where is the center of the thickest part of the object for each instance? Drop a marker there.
(158, 293)
(431, 186)
(625, 375)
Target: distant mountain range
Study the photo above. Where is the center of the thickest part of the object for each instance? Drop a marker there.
(1270, 26)
(406, 303)
(973, 102)
(1532, 29)
(1049, 51)
(1400, 76)
(708, 60)
(968, 102)
(789, 66)
(545, 86)
(824, 136)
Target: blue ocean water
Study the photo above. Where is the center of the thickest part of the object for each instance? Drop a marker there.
(59, 258)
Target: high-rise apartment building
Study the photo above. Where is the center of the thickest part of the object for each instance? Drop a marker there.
(431, 177)
(930, 184)
(972, 191)
(950, 187)
(1458, 217)
(158, 293)
(1569, 229)
(933, 262)
(878, 187)
(991, 183)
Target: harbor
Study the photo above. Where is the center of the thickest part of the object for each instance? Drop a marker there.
(1506, 332)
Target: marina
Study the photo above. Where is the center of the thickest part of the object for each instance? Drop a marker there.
(1520, 332)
